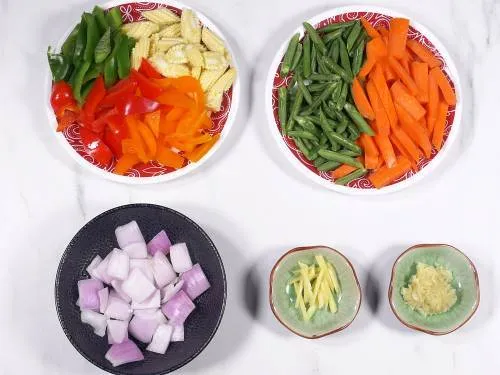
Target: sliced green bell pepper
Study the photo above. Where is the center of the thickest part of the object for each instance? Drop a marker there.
(92, 36)
(81, 40)
(114, 18)
(103, 48)
(100, 18)
(78, 80)
(68, 47)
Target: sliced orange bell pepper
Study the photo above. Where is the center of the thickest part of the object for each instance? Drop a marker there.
(168, 158)
(136, 138)
(148, 138)
(175, 98)
(152, 119)
(202, 150)
(125, 163)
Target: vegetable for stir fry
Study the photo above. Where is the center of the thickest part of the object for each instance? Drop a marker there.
(140, 295)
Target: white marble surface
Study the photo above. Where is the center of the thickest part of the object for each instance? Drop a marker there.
(255, 206)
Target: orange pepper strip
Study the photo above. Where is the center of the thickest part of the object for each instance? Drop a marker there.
(136, 138)
(202, 150)
(169, 158)
(152, 119)
(126, 162)
(149, 139)
(175, 98)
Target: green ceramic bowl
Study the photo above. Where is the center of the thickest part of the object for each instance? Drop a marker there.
(323, 323)
(465, 281)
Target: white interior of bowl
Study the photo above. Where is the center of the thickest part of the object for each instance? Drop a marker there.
(165, 177)
(450, 70)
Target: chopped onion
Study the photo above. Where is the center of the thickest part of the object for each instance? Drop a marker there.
(126, 352)
(146, 313)
(137, 250)
(117, 308)
(171, 290)
(178, 308)
(95, 262)
(102, 270)
(195, 282)
(178, 333)
(143, 328)
(145, 265)
(137, 286)
(88, 299)
(103, 295)
(162, 270)
(117, 285)
(179, 255)
(118, 265)
(161, 339)
(152, 302)
(160, 243)
(96, 320)
(128, 234)
(117, 331)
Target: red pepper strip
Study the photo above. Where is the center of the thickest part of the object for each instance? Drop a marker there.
(62, 98)
(149, 70)
(115, 133)
(95, 96)
(101, 120)
(148, 88)
(116, 93)
(132, 105)
(95, 147)
(68, 118)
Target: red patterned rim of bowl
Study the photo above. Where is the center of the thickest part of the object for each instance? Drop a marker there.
(376, 19)
(131, 12)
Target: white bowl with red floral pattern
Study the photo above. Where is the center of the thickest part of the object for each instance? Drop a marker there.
(362, 186)
(151, 172)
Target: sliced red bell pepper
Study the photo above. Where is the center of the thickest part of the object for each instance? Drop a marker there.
(132, 105)
(116, 93)
(113, 142)
(149, 70)
(148, 88)
(93, 99)
(62, 98)
(101, 119)
(116, 131)
(66, 119)
(94, 146)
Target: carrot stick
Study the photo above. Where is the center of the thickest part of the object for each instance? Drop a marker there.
(418, 134)
(438, 134)
(370, 150)
(376, 49)
(366, 68)
(408, 144)
(384, 176)
(383, 125)
(420, 73)
(405, 62)
(370, 30)
(432, 106)
(423, 53)
(385, 147)
(388, 72)
(343, 171)
(398, 33)
(402, 151)
(423, 123)
(361, 101)
(403, 74)
(385, 95)
(382, 30)
(444, 86)
(401, 96)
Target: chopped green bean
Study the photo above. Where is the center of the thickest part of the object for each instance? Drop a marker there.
(335, 68)
(351, 153)
(318, 161)
(305, 123)
(332, 36)
(353, 35)
(315, 38)
(334, 51)
(302, 147)
(336, 26)
(345, 61)
(317, 102)
(357, 60)
(306, 61)
(358, 119)
(289, 55)
(343, 96)
(315, 87)
(324, 77)
(335, 156)
(303, 134)
(297, 58)
(351, 176)
(282, 106)
(295, 108)
(329, 165)
(314, 58)
(305, 92)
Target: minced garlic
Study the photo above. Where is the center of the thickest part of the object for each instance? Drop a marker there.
(429, 290)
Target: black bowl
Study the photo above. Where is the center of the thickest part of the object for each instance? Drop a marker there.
(98, 237)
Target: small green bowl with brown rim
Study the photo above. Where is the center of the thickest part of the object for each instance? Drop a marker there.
(465, 281)
(323, 322)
